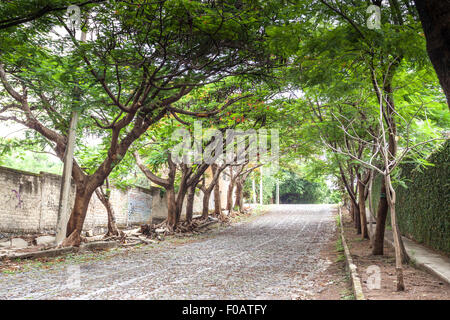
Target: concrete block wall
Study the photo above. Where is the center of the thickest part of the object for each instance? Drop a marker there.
(29, 203)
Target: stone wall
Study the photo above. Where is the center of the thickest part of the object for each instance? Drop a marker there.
(29, 203)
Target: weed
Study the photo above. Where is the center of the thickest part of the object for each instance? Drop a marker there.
(339, 246)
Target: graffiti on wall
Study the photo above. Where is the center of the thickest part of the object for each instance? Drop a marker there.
(139, 206)
(19, 200)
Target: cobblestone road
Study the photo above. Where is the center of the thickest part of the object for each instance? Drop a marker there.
(275, 256)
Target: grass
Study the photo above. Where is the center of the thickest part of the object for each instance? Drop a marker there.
(338, 220)
(347, 294)
(339, 246)
(412, 259)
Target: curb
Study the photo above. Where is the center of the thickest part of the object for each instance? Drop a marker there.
(100, 245)
(356, 280)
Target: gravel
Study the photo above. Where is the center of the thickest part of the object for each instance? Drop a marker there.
(274, 256)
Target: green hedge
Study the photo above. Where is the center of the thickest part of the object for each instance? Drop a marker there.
(423, 206)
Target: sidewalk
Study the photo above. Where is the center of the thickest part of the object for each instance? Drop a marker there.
(422, 256)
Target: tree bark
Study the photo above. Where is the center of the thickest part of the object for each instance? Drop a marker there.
(382, 210)
(206, 197)
(277, 192)
(230, 196)
(171, 208)
(76, 220)
(435, 18)
(357, 217)
(190, 203)
(104, 199)
(391, 198)
(378, 241)
(261, 195)
(254, 190)
(238, 195)
(217, 201)
(362, 209)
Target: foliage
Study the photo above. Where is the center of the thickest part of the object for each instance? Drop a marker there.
(423, 202)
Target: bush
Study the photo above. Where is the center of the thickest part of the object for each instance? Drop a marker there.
(423, 200)
(423, 204)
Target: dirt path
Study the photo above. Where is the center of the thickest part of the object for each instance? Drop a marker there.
(275, 256)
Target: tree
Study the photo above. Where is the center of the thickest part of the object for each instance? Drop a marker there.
(435, 18)
(142, 59)
(386, 168)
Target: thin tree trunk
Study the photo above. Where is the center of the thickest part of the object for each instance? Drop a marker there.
(230, 196)
(378, 241)
(104, 199)
(254, 190)
(217, 200)
(391, 198)
(238, 192)
(277, 191)
(362, 209)
(352, 211)
(241, 197)
(371, 208)
(382, 210)
(261, 198)
(357, 217)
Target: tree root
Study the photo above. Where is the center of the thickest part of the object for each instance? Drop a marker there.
(73, 240)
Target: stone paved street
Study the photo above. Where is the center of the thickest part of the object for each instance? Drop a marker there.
(275, 256)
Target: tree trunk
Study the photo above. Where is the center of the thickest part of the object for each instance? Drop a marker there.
(277, 192)
(357, 217)
(179, 203)
(362, 209)
(391, 197)
(230, 196)
(104, 199)
(261, 196)
(76, 220)
(190, 203)
(217, 201)
(171, 208)
(206, 197)
(435, 18)
(371, 208)
(352, 211)
(238, 193)
(254, 191)
(378, 241)
(241, 197)
(382, 210)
